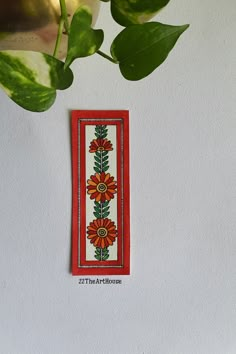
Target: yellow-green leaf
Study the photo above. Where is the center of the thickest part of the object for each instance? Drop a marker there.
(128, 12)
(31, 79)
(83, 40)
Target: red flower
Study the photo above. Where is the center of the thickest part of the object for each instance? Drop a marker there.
(101, 187)
(102, 232)
(100, 145)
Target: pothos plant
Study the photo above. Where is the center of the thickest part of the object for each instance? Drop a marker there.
(31, 78)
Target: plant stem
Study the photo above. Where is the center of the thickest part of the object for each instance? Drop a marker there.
(59, 36)
(107, 57)
(64, 15)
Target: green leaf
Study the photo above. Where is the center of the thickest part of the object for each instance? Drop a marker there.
(104, 163)
(97, 215)
(98, 154)
(105, 168)
(98, 128)
(105, 209)
(140, 49)
(97, 170)
(83, 40)
(97, 159)
(97, 209)
(105, 215)
(31, 79)
(128, 12)
(97, 164)
(105, 203)
(105, 257)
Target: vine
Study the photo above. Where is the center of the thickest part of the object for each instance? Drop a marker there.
(131, 51)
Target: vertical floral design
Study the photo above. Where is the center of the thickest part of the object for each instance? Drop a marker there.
(102, 188)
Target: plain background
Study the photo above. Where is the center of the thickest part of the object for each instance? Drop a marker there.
(181, 296)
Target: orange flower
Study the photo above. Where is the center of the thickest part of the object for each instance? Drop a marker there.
(101, 187)
(102, 232)
(100, 145)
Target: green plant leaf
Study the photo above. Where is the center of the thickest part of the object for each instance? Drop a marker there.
(31, 79)
(140, 49)
(83, 40)
(128, 12)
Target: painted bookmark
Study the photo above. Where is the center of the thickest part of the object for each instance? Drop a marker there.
(100, 215)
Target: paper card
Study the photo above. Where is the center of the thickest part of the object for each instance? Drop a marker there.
(101, 211)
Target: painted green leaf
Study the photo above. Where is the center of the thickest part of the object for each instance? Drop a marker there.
(128, 12)
(105, 163)
(83, 40)
(140, 49)
(31, 79)
(98, 164)
(97, 170)
(105, 209)
(97, 159)
(98, 154)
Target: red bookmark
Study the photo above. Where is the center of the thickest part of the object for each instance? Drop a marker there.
(100, 210)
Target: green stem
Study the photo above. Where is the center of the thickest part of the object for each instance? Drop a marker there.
(65, 16)
(59, 36)
(107, 57)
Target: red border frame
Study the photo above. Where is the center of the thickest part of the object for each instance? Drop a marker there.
(78, 201)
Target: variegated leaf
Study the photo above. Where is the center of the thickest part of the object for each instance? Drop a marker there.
(83, 40)
(31, 79)
(128, 12)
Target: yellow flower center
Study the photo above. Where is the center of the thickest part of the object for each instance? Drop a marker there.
(102, 232)
(101, 187)
(100, 148)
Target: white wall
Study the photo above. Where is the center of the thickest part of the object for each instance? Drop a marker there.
(181, 296)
